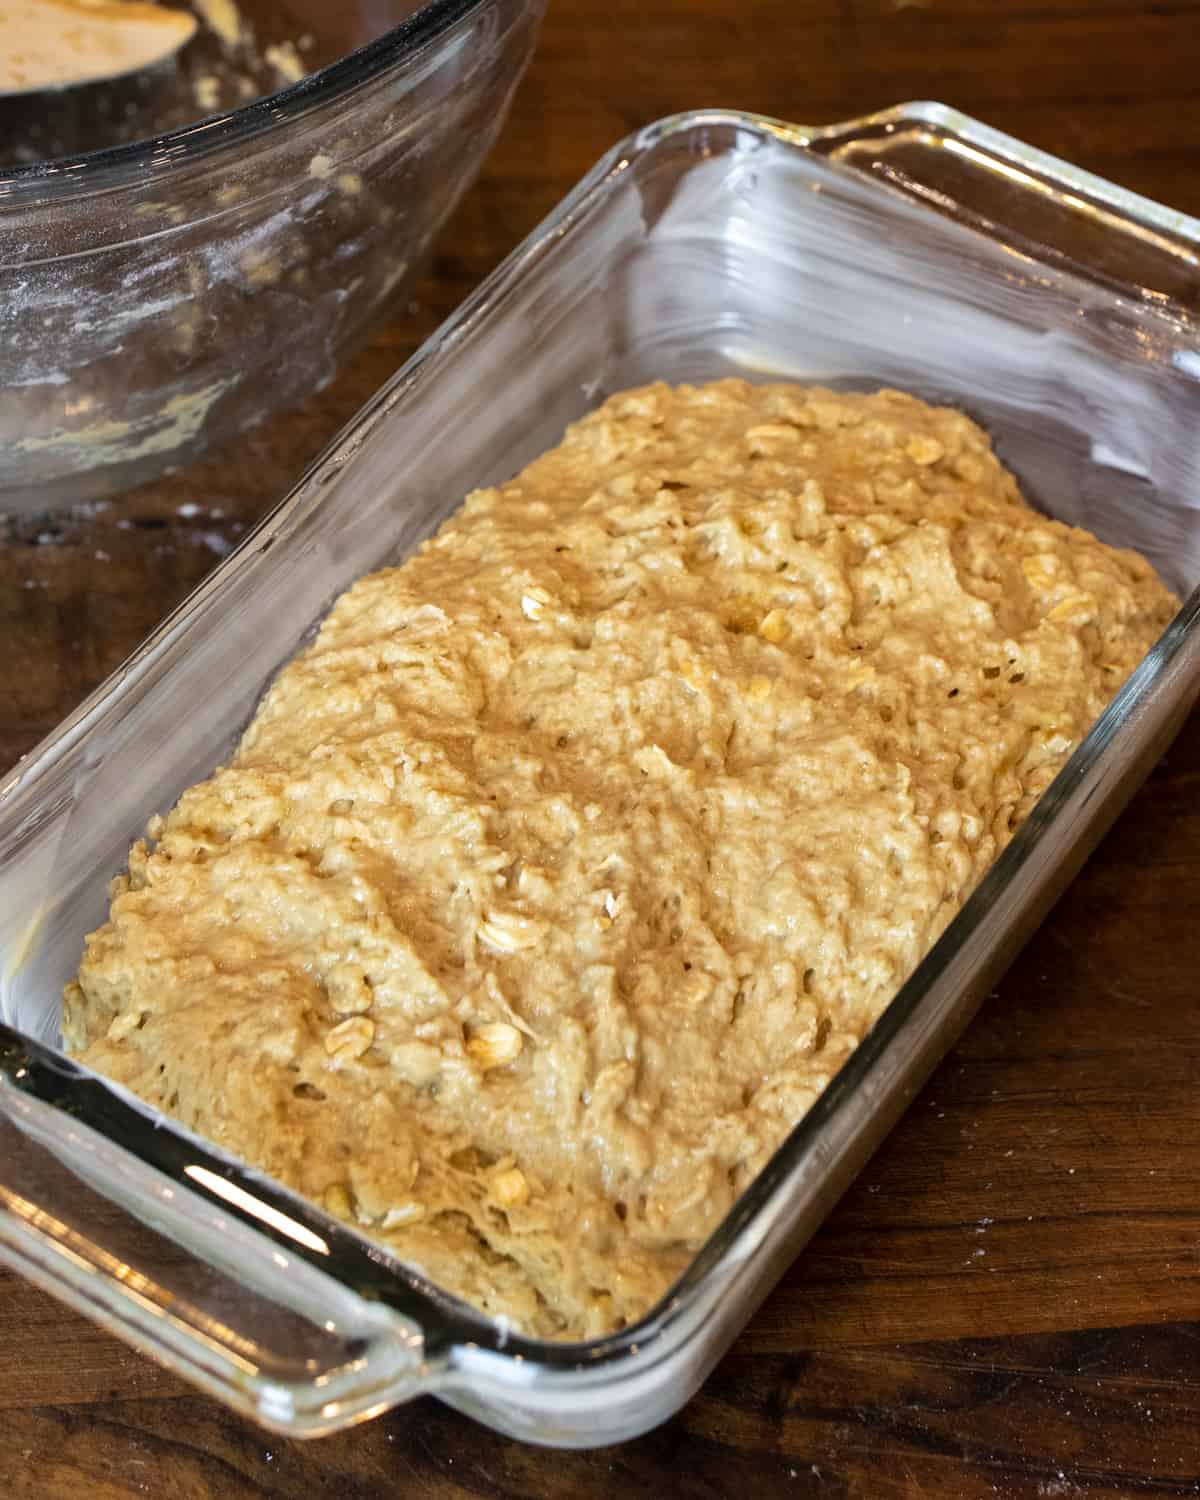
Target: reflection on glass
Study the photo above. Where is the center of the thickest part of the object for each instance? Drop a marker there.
(263, 1212)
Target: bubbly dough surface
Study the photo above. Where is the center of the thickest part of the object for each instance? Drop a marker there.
(552, 883)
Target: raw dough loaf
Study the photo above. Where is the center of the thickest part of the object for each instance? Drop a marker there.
(552, 883)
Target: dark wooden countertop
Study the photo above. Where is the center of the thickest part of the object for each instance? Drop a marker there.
(1008, 1302)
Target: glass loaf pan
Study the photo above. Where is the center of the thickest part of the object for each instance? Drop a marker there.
(914, 248)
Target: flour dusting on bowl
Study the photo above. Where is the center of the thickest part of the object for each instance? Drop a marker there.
(165, 295)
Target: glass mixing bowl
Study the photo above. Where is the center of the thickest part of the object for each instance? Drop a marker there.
(164, 294)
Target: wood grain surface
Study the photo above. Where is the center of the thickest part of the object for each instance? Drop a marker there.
(1008, 1302)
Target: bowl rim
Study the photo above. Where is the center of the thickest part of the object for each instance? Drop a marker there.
(151, 159)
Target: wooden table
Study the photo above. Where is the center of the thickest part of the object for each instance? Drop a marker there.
(1008, 1302)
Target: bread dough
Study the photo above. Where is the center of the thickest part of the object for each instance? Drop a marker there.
(553, 882)
(48, 44)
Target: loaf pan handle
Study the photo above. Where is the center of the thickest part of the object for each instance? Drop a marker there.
(1036, 204)
(221, 1276)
